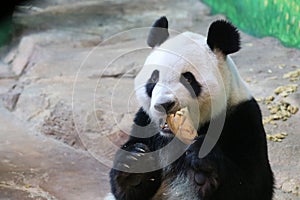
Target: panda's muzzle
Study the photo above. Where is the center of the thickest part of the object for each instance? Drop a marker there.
(165, 107)
(165, 128)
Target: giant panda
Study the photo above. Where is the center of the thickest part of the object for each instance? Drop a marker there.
(190, 70)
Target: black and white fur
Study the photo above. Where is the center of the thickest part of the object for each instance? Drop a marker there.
(192, 71)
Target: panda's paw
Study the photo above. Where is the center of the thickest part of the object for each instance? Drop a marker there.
(128, 161)
(205, 177)
(204, 170)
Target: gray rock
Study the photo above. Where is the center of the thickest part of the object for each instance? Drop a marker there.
(11, 97)
(5, 71)
(60, 125)
(10, 100)
(291, 186)
(24, 53)
(37, 167)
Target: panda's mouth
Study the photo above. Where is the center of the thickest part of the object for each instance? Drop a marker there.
(165, 130)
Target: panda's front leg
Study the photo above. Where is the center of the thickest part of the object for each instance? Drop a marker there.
(204, 170)
(125, 182)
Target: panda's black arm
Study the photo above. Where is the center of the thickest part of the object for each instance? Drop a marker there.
(221, 176)
(239, 160)
(215, 173)
(125, 183)
(128, 185)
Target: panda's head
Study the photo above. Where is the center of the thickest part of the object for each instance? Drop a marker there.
(190, 70)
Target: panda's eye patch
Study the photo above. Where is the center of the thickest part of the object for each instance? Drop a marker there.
(154, 76)
(192, 85)
(152, 82)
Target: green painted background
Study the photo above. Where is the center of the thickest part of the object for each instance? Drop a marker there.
(277, 18)
(5, 30)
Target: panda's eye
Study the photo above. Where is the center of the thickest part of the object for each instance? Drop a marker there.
(188, 76)
(154, 76)
(152, 82)
(189, 81)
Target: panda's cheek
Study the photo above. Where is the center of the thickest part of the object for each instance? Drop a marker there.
(183, 96)
(156, 116)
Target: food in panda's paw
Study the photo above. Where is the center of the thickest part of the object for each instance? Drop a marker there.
(181, 125)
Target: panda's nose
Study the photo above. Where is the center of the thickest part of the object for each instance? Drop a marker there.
(165, 107)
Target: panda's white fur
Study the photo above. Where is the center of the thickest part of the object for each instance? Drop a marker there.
(181, 188)
(109, 196)
(220, 81)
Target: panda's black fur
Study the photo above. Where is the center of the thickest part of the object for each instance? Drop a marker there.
(237, 168)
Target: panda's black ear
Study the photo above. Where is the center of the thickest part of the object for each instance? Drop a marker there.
(158, 33)
(222, 35)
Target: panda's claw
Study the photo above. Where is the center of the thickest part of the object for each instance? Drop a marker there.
(126, 166)
(131, 157)
(138, 154)
(140, 149)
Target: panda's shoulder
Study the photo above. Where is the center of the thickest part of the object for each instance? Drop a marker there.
(245, 121)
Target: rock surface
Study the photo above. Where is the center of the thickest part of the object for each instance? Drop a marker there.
(68, 101)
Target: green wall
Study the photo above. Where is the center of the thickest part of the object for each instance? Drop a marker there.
(5, 30)
(277, 18)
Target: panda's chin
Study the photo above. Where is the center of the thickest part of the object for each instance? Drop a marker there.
(166, 134)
